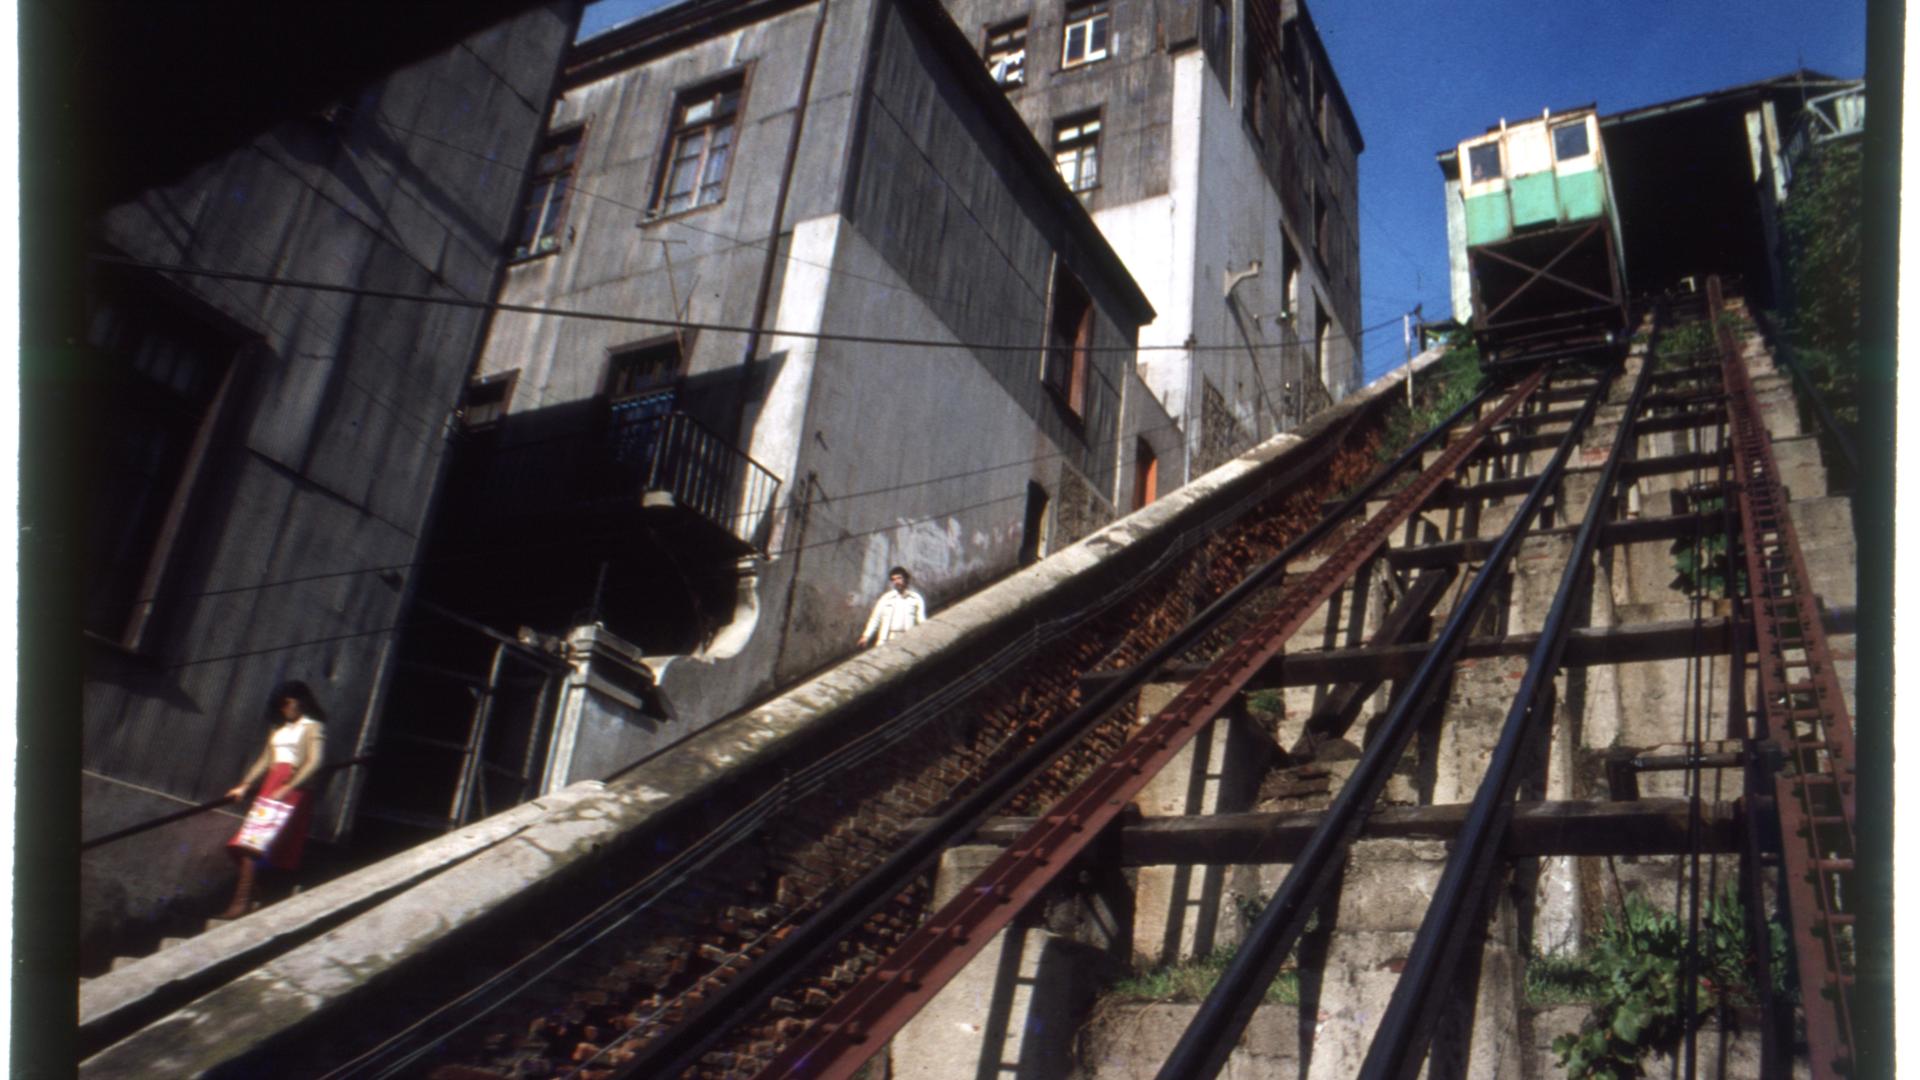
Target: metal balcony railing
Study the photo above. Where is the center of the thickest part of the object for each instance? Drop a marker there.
(640, 451)
(673, 454)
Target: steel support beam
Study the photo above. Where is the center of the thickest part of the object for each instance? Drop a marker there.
(1640, 827)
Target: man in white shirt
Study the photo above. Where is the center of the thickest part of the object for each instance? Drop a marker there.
(899, 609)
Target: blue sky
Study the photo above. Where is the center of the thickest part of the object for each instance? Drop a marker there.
(1423, 74)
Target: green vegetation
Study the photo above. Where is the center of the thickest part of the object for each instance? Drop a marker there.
(1631, 972)
(1821, 220)
(1438, 391)
(1191, 980)
(1700, 563)
(1688, 343)
(1560, 980)
(1266, 704)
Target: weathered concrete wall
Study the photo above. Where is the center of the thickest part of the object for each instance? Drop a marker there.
(1018, 1005)
(1129, 1042)
(1184, 198)
(1130, 88)
(615, 254)
(1186, 911)
(337, 434)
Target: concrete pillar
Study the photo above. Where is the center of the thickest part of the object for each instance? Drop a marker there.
(1015, 1010)
(1351, 960)
(1190, 910)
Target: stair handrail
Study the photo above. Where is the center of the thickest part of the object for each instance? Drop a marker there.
(201, 808)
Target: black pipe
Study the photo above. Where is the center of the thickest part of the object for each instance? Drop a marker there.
(681, 1047)
(1400, 1042)
(1216, 1027)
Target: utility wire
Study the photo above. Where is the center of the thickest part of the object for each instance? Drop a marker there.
(682, 324)
(728, 519)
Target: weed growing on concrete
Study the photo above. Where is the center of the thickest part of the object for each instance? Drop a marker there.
(1634, 963)
(1188, 981)
(1438, 391)
(1560, 980)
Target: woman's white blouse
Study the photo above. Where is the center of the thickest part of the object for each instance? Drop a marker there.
(286, 741)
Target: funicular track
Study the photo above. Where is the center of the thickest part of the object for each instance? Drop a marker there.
(814, 979)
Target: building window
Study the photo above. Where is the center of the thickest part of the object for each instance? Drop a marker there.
(1570, 141)
(1322, 242)
(1322, 340)
(1063, 366)
(1217, 38)
(1257, 108)
(1483, 162)
(1076, 151)
(644, 370)
(1035, 527)
(699, 147)
(166, 372)
(642, 390)
(1289, 277)
(545, 211)
(1146, 474)
(1088, 36)
(1007, 53)
(486, 401)
(1320, 111)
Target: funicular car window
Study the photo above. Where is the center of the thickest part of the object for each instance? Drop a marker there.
(1570, 141)
(1483, 162)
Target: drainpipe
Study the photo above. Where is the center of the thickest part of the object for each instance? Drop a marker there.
(779, 222)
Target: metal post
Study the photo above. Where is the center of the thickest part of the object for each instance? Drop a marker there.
(476, 741)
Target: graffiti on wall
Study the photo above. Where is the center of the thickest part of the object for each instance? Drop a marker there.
(940, 550)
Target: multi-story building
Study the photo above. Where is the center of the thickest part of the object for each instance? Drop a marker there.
(275, 340)
(794, 298)
(1214, 147)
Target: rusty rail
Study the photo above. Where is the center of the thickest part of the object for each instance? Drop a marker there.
(859, 1024)
(1805, 725)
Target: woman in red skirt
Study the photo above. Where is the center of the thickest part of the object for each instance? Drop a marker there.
(290, 764)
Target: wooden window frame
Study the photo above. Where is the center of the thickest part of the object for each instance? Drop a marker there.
(1146, 473)
(1078, 137)
(509, 379)
(1066, 358)
(233, 346)
(1015, 31)
(617, 353)
(679, 130)
(539, 226)
(1094, 16)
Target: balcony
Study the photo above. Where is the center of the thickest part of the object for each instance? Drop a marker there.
(602, 459)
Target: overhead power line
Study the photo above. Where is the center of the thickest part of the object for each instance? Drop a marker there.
(681, 324)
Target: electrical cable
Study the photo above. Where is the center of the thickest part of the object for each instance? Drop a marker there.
(680, 324)
(1102, 475)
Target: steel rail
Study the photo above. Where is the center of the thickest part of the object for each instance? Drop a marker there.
(1210, 1037)
(860, 1022)
(681, 1047)
(1455, 913)
(1806, 724)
